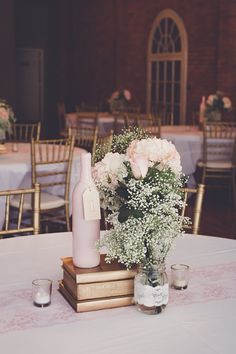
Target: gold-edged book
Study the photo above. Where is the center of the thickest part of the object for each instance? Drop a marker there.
(104, 272)
(95, 304)
(98, 290)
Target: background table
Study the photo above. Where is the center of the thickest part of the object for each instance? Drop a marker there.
(105, 121)
(15, 171)
(188, 141)
(200, 319)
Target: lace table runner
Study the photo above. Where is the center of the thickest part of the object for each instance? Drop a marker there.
(206, 284)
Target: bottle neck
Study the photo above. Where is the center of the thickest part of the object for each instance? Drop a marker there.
(85, 167)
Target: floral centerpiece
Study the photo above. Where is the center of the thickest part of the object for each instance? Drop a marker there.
(119, 99)
(139, 183)
(6, 118)
(215, 105)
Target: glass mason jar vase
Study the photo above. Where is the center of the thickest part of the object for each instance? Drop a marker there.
(151, 289)
(2, 136)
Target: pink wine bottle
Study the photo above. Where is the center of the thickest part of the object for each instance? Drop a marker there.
(85, 218)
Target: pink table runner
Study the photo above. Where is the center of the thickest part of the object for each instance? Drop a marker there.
(207, 284)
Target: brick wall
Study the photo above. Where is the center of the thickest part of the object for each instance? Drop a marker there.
(98, 46)
(226, 63)
(113, 39)
(7, 56)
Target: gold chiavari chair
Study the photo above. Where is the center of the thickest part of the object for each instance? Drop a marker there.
(154, 131)
(167, 118)
(131, 119)
(198, 194)
(85, 135)
(151, 124)
(84, 119)
(51, 162)
(24, 132)
(120, 121)
(218, 162)
(135, 108)
(85, 107)
(145, 120)
(17, 198)
(101, 146)
(195, 120)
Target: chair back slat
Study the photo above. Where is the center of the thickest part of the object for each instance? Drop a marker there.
(85, 135)
(51, 163)
(219, 140)
(7, 212)
(20, 211)
(197, 210)
(24, 132)
(17, 226)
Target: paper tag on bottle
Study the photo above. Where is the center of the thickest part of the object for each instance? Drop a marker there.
(91, 204)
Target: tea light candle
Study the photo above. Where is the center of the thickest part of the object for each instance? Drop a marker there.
(41, 298)
(180, 275)
(180, 283)
(42, 289)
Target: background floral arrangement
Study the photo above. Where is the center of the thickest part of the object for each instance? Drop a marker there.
(217, 102)
(6, 116)
(119, 99)
(139, 185)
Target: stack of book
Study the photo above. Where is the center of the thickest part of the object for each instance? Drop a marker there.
(107, 286)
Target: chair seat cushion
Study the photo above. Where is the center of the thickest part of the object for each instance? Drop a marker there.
(216, 164)
(47, 201)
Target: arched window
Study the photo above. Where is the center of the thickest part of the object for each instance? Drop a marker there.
(167, 66)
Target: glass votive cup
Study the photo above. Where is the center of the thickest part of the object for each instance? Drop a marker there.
(179, 276)
(41, 292)
(14, 147)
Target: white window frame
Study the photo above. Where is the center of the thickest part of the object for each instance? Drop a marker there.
(182, 56)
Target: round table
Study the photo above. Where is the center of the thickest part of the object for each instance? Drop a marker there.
(200, 319)
(15, 171)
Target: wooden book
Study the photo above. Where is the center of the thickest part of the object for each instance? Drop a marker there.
(96, 304)
(104, 272)
(98, 290)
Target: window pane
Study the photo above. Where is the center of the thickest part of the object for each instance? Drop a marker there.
(161, 70)
(153, 93)
(169, 70)
(175, 32)
(177, 70)
(162, 26)
(157, 35)
(177, 93)
(161, 91)
(178, 45)
(154, 71)
(154, 46)
(169, 25)
(168, 92)
(176, 113)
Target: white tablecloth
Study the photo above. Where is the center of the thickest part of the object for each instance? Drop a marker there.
(105, 121)
(15, 171)
(200, 319)
(188, 141)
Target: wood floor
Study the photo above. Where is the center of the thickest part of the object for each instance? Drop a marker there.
(218, 214)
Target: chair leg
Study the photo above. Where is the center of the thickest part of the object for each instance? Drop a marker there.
(203, 175)
(67, 217)
(233, 186)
